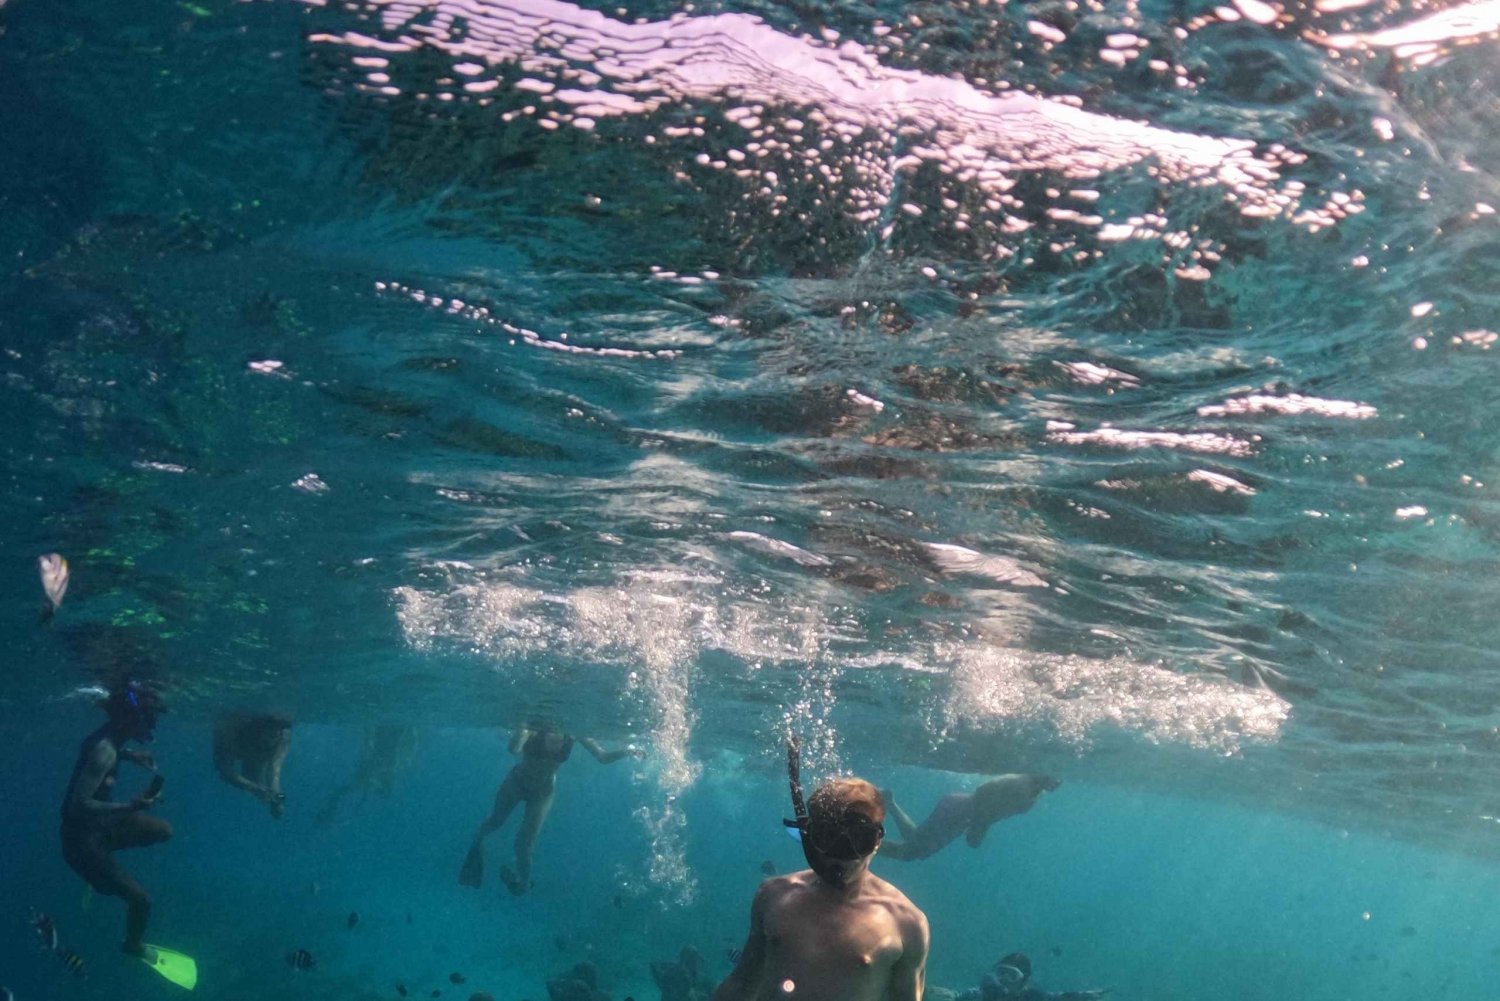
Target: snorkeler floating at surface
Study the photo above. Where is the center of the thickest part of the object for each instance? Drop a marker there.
(542, 749)
(969, 814)
(94, 827)
(836, 931)
(249, 751)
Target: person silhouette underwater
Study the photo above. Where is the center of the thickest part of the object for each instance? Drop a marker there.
(970, 814)
(531, 783)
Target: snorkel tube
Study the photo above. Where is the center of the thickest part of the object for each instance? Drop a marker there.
(794, 780)
(834, 872)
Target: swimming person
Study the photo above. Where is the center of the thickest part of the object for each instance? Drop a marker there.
(532, 781)
(969, 814)
(835, 931)
(1011, 978)
(249, 751)
(94, 826)
(386, 748)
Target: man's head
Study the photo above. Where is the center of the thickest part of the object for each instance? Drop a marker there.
(844, 828)
(132, 709)
(1008, 979)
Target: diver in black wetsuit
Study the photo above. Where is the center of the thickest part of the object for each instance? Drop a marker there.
(94, 827)
(542, 749)
(1010, 980)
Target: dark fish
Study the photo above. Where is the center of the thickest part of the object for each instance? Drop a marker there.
(72, 962)
(437, 993)
(46, 930)
(768, 868)
(481, 996)
(1056, 950)
(457, 978)
(735, 954)
(301, 959)
(1407, 931)
(619, 900)
(353, 919)
(401, 989)
(408, 917)
(561, 942)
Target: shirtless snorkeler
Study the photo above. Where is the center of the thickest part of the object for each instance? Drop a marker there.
(835, 932)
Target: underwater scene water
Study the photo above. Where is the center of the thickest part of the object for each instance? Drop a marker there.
(1099, 390)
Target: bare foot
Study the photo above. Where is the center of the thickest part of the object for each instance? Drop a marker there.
(512, 881)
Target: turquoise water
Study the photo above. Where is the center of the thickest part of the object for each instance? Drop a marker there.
(965, 388)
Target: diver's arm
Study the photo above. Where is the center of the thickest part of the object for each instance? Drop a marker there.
(90, 777)
(228, 764)
(278, 758)
(744, 981)
(143, 759)
(909, 975)
(518, 740)
(610, 757)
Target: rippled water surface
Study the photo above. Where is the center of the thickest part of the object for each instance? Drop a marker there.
(1095, 387)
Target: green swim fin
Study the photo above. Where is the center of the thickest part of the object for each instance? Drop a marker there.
(181, 970)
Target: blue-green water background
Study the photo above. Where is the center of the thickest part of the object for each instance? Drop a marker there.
(1157, 896)
(1274, 712)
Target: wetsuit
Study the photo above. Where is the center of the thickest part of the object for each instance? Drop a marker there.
(91, 836)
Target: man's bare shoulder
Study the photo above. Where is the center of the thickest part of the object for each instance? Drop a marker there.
(897, 903)
(777, 887)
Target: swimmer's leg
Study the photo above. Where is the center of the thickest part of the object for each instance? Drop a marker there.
(506, 799)
(108, 877)
(537, 809)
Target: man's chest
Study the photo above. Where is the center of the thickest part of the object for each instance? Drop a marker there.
(859, 936)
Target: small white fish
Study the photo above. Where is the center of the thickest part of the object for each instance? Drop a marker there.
(54, 571)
